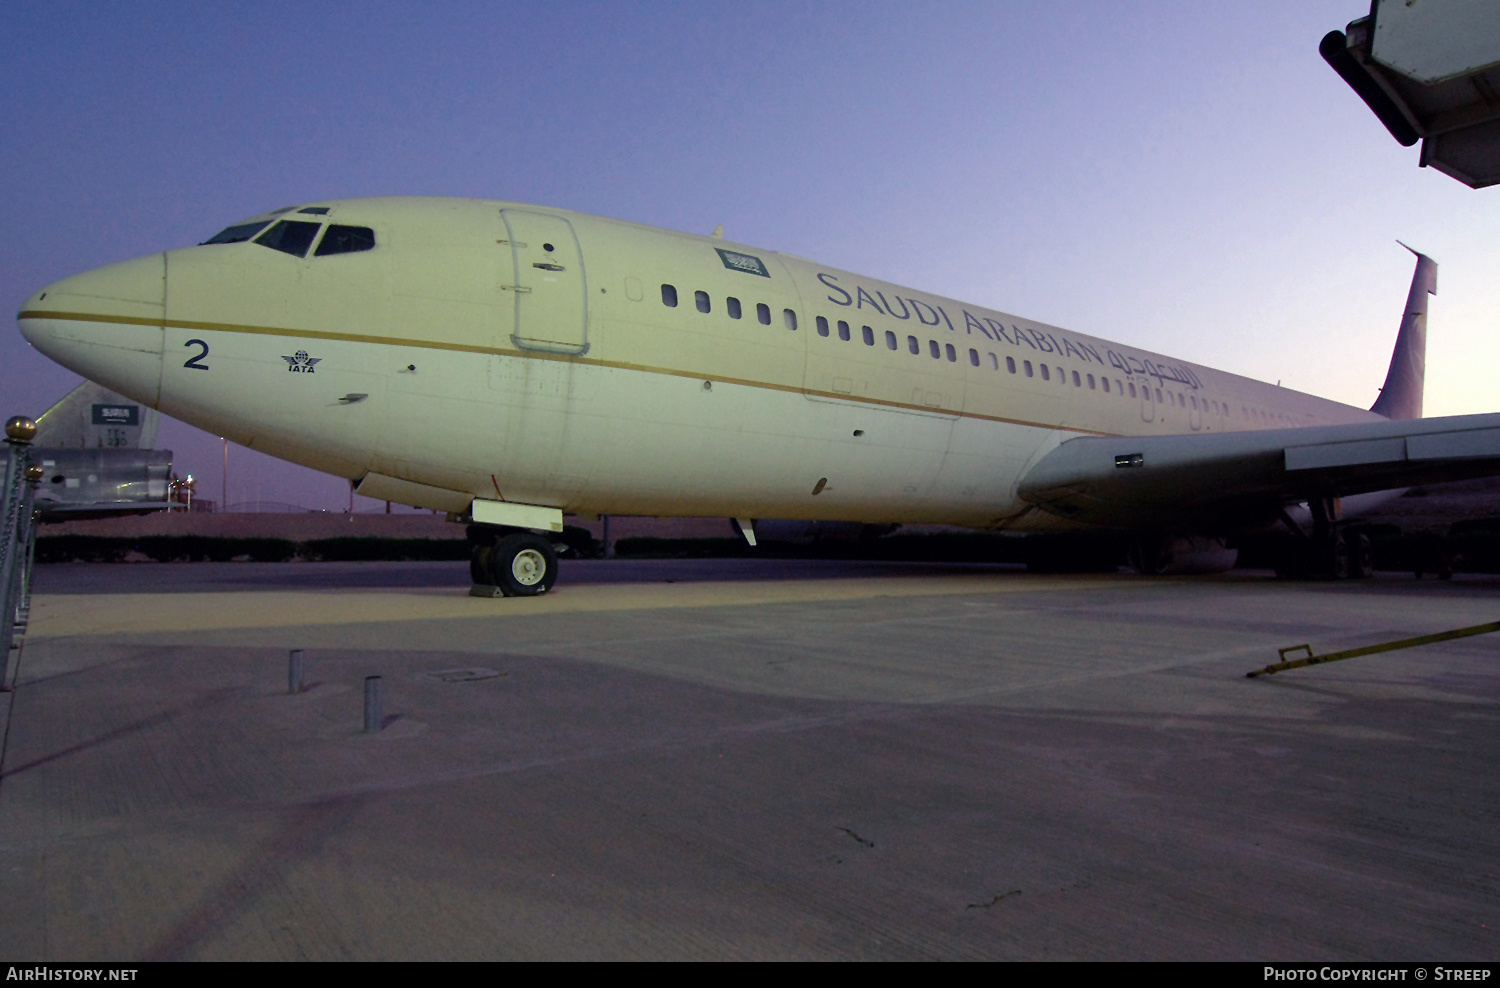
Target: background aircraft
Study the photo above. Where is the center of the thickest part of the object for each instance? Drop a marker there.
(95, 450)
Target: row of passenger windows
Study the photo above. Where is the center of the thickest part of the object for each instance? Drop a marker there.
(732, 305)
(1025, 367)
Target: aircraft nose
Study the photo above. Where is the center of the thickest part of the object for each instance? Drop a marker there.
(105, 324)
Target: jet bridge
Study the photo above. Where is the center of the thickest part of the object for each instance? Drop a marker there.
(1430, 72)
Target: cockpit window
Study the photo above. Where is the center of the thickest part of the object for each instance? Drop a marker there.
(314, 210)
(346, 240)
(237, 234)
(290, 237)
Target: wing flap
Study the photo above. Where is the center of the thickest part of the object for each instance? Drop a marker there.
(1325, 455)
(1221, 482)
(1452, 445)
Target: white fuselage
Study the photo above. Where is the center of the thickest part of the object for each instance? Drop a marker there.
(514, 353)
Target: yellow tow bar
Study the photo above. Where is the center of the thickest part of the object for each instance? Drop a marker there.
(1350, 653)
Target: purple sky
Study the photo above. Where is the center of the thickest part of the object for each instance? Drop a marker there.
(1185, 177)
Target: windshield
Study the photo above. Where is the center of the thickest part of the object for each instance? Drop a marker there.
(238, 233)
(345, 240)
(290, 237)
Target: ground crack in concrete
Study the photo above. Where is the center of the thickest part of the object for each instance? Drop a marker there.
(857, 837)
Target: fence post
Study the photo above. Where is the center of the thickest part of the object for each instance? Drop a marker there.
(27, 559)
(14, 550)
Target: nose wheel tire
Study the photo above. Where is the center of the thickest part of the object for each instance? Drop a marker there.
(523, 565)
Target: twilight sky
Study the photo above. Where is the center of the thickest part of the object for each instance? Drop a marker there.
(1185, 177)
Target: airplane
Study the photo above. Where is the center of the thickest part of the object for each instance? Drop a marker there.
(95, 451)
(508, 363)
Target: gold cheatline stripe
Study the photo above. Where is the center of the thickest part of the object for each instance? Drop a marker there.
(313, 334)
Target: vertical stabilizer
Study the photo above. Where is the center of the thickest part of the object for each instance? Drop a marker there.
(1401, 397)
(93, 417)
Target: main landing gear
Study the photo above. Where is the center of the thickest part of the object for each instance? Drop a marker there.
(510, 562)
(1329, 553)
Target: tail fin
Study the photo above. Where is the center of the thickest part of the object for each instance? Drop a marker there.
(1401, 397)
(93, 417)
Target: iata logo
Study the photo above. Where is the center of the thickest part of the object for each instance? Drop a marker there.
(301, 363)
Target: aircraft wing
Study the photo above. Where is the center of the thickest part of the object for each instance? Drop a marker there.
(1223, 482)
(54, 511)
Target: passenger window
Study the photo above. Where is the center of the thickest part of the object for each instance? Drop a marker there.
(974, 357)
(868, 334)
(913, 345)
(345, 240)
(1158, 396)
(822, 322)
(1028, 368)
(890, 340)
(290, 237)
(1046, 374)
(790, 318)
(843, 331)
(763, 313)
(669, 296)
(732, 304)
(1103, 380)
(1076, 382)
(1062, 376)
(1010, 365)
(702, 299)
(1132, 389)
(952, 356)
(932, 349)
(1193, 401)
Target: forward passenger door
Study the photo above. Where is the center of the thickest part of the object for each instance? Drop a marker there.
(549, 284)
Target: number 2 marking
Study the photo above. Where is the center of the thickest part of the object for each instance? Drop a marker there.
(196, 361)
